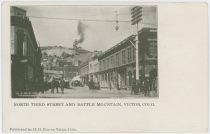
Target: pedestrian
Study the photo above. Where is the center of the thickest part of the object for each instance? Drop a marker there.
(133, 86)
(56, 85)
(155, 86)
(145, 86)
(62, 83)
(152, 76)
(118, 86)
(136, 88)
(110, 85)
(91, 84)
(52, 85)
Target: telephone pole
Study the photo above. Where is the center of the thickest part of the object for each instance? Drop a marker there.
(136, 15)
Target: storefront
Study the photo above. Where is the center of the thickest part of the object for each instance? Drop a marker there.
(117, 64)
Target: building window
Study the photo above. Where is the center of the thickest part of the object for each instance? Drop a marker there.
(100, 65)
(20, 39)
(134, 54)
(12, 40)
(114, 64)
(131, 54)
(128, 55)
(123, 57)
(103, 64)
(107, 63)
(117, 59)
(120, 58)
(91, 68)
(25, 46)
(112, 61)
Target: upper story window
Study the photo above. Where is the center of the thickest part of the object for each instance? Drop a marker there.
(123, 57)
(117, 59)
(134, 54)
(107, 62)
(128, 58)
(112, 62)
(131, 53)
(103, 66)
(91, 68)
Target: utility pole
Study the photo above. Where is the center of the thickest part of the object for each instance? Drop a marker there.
(136, 15)
(137, 53)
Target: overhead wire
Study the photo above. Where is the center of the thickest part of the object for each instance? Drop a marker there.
(75, 19)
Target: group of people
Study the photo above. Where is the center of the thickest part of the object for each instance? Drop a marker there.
(55, 84)
(93, 85)
(144, 85)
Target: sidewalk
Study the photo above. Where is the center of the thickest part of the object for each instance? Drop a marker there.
(85, 92)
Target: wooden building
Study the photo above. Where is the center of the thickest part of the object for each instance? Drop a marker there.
(117, 64)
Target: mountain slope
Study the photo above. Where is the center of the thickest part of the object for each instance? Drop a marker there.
(59, 50)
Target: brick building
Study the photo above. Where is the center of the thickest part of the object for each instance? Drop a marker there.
(26, 69)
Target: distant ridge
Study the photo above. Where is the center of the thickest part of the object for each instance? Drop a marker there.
(58, 50)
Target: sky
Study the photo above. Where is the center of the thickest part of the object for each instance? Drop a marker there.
(97, 35)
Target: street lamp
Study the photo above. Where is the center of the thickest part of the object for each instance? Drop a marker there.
(117, 26)
(136, 15)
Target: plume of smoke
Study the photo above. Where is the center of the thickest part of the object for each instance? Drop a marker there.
(81, 32)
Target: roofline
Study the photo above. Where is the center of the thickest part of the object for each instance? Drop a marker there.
(84, 64)
(19, 8)
(120, 43)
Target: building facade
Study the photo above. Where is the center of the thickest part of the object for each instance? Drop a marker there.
(117, 64)
(69, 72)
(26, 69)
(94, 70)
(56, 67)
(84, 72)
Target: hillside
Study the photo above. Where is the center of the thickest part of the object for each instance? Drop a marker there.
(58, 56)
(59, 50)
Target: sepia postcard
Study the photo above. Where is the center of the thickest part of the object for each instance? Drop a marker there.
(102, 67)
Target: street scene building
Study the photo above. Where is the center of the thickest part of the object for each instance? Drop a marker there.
(58, 63)
(117, 65)
(84, 73)
(96, 56)
(26, 69)
(94, 68)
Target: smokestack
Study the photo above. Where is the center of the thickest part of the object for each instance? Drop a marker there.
(81, 32)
